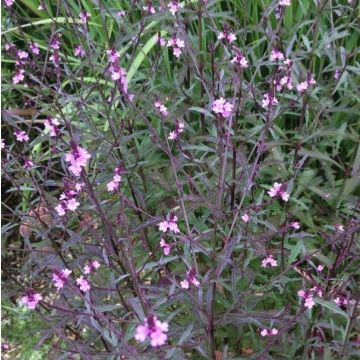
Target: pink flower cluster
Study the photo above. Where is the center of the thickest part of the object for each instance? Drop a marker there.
(277, 190)
(190, 279)
(149, 8)
(165, 246)
(269, 332)
(169, 224)
(285, 2)
(31, 299)
(240, 60)
(19, 76)
(162, 108)
(68, 200)
(114, 183)
(276, 55)
(227, 35)
(307, 296)
(34, 48)
(269, 260)
(268, 101)
(77, 158)
(84, 16)
(117, 73)
(60, 278)
(179, 128)
(341, 301)
(303, 86)
(9, 3)
(79, 51)
(177, 44)
(28, 164)
(51, 125)
(174, 6)
(21, 136)
(83, 284)
(91, 266)
(153, 329)
(222, 107)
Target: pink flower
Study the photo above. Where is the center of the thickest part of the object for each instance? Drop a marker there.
(113, 55)
(169, 224)
(154, 329)
(22, 54)
(227, 35)
(286, 81)
(121, 13)
(246, 218)
(307, 297)
(240, 60)
(341, 301)
(2, 144)
(79, 51)
(60, 209)
(277, 191)
(179, 128)
(55, 41)
(177, 45)
(269, 261)
(162, 108)
(276, 55)
(222, 107)
(51, 125)
(19, 76)
(320, 268)
(165, 246)
(339, 227)
(84, 16)
(91, 266)
(9, 3)
(295, 225)
(269, 332)
(83, 284)
(28, 164)
(34, 48)
(149, 8)
(190, 279)
(31, 299)
(268, 101)
(21, 136)
(60, 277)
(77, 158)
(285, 2)
(174, 7)
(302, 86)
(114, 184)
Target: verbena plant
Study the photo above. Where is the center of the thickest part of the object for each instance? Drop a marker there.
(181, 180)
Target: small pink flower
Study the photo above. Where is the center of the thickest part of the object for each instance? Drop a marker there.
(154, 329)
(240, 60)
(222, 107)
(83, 284)
(302, 86)
(79, 51)
(277, 191)
(114, 184)
(341, 301)
(276, 55)
(22, 54)
(227, 35)
(169, 224)
(190, 279)
(307, 297)
(77, 158)
(34, 48)
(28, 164)
(121, 13)
(339, 228)
(60, 277)
(84, 16)
(320, 268)
(2, 144)
(269, 332)
(91, 266)
(295, 225)
(149, 8)
(174, 7)
(269, 261)
(179, 128)
(162, 108)
(165, 246)
(31, 299)
(21, 136)
(9, 3)
(268, 101)
(19, 76)
(285, 2)
(245, 218)
(51, 125)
